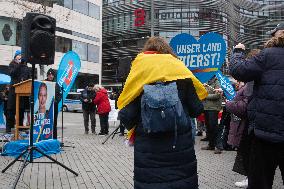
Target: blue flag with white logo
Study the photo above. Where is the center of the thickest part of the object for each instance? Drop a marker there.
(67, 72)
(226, 86)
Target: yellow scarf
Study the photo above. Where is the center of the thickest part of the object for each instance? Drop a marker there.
(150, 68)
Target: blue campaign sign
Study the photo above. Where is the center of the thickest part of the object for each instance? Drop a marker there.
(43, 110)
(226, 86)
(67, 72)
(203, 57)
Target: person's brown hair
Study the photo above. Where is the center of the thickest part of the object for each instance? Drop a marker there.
(159, 45)
(275, 42)
(253, 52)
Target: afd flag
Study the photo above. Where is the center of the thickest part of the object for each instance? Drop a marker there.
(67, 72)
(226, 86)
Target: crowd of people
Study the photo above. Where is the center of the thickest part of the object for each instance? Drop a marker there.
(251, 123)
(160, 106)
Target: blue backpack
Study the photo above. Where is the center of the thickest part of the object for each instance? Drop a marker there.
(161, 108)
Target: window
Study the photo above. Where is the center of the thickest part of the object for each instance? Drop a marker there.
(68, 4)
(80, 48)
(93, 53)
(94, 11)
(80, 6)
(63, 44)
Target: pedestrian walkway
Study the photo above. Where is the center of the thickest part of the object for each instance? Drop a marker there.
(109, 166)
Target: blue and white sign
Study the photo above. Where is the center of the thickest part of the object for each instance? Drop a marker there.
(226, 86)
(2, 117)
(67, 72)
(203, 57)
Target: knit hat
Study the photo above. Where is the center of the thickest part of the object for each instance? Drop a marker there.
(18, 52)
(50, 71)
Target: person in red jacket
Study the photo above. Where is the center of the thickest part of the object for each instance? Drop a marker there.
(103, 108)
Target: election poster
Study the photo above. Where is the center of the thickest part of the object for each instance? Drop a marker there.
(44, 92)
(204, 57)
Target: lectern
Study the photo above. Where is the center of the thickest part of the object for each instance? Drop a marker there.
(21, 89)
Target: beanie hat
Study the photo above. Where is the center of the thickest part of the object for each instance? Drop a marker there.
(50, 71)
(18, 52)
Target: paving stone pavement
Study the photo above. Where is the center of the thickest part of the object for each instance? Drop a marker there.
(110, 166)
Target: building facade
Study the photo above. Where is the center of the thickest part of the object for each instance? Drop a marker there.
(128, 23)
(78, 28)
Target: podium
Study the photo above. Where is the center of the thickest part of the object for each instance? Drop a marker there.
(21, 89)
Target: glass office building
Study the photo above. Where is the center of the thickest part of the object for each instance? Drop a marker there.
(78, 28)
(127, 24)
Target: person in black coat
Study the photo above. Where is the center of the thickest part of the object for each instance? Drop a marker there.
(51, 77)
(89, 108)
(266, 108)
(157, 165)
(19, 71)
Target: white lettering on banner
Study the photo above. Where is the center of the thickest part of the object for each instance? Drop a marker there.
(196, 61)
(193, 48)
(46, 131)
(212, 47)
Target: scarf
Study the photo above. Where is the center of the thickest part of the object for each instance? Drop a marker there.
(150, 68)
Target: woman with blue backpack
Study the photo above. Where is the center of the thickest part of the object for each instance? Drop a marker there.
(158, 99)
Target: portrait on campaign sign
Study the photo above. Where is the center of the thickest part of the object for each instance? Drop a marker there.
(44, 93)
(204, 57)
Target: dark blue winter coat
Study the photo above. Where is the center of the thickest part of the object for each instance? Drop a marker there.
(156, 164)
(266, 109)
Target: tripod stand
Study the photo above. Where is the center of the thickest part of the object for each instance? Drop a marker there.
(27, 154)
(111, 134)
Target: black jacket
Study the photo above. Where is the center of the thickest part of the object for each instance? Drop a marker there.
(156, 163)
(89, 95)
(18, 73)
(266, 109)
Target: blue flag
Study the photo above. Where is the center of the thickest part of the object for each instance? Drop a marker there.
(226, 86)
(67, 72)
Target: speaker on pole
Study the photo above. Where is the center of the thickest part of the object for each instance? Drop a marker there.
(38, 39)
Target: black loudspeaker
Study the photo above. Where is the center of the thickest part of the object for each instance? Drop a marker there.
(38, 39)
(123, 68)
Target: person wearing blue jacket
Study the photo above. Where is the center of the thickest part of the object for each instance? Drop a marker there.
(266, 109)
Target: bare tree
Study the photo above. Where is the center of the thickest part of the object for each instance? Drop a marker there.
(21, 7)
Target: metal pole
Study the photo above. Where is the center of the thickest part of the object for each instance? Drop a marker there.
(32, 112)
(152, 18)
(62, 91)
